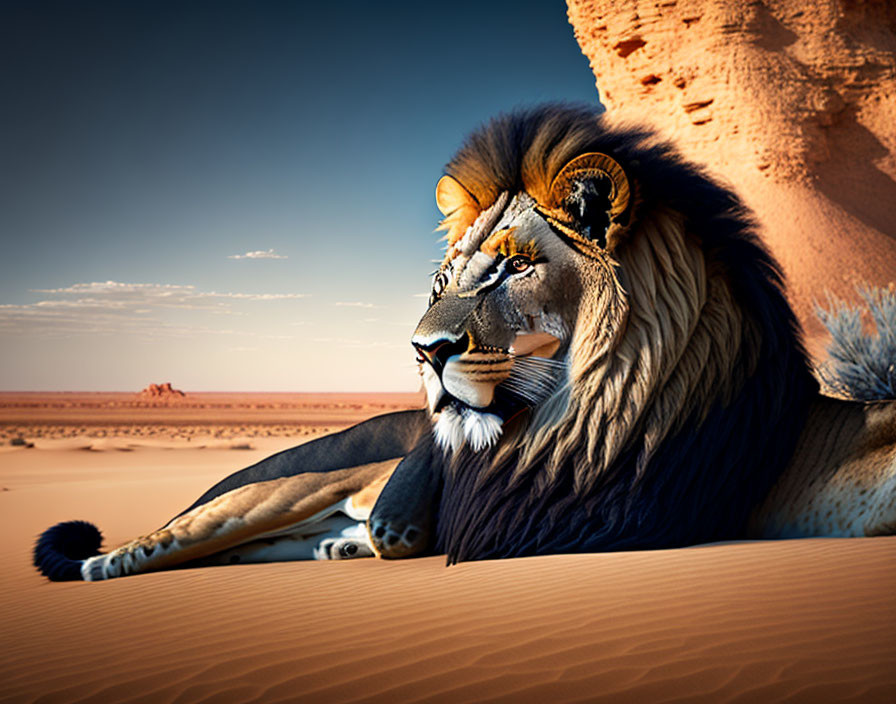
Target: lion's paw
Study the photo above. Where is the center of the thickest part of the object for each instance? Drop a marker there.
(393, 539)
(343, 549)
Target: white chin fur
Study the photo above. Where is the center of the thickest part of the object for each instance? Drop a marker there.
(449, 430)
(482, 430)
(432, 385)
(479, 430)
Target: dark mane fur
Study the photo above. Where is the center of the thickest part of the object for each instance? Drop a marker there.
(702, 482)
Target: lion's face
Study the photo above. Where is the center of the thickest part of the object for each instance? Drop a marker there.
(503, 311)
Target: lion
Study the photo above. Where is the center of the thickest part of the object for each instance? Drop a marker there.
(610, 363)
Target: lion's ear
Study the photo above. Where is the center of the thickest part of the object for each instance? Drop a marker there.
(594, 190)
(458, 206)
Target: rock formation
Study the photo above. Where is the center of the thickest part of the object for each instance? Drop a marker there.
(791, 103)
(161, 392)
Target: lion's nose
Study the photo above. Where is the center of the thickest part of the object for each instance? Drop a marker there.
(437, 352)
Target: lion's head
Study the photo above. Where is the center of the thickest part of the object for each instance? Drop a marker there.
(608, 356)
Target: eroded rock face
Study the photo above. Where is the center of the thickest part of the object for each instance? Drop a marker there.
(793, 103)
(161, 392)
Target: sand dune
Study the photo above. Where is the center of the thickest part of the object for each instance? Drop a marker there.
(805, 621)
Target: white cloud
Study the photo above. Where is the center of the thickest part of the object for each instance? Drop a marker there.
(354, 343)
(45, 321)
(115, 294)
(253, 296)
(354, 304)
(259, 254)
(113, 307)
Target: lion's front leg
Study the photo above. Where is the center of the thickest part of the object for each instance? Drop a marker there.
(311, 515)
(402, 523)
(311, 501)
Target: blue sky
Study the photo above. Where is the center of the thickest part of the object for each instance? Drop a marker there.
(144, 146)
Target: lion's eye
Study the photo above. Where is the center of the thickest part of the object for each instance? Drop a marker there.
(519, 263)
(438, 286)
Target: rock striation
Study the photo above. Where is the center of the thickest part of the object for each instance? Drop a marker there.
(791, 103)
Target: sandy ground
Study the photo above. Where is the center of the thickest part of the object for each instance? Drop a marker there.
(198, 416)
(805, 621)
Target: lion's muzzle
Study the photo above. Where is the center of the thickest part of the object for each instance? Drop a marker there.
(467, 373)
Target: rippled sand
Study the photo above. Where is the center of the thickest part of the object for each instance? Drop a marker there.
(805, 621)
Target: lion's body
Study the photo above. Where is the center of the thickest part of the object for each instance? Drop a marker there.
(841, 481)
(610, 363)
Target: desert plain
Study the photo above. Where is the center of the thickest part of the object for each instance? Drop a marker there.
(796, 621)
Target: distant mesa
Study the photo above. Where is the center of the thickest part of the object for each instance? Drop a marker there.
(161, 392)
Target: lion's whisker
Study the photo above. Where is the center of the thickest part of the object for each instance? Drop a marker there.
(534, 379)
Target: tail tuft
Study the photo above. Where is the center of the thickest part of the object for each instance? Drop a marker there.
(60, 550)
(862, 363)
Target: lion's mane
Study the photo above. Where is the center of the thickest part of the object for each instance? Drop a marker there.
(685, 395)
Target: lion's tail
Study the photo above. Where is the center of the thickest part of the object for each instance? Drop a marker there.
(60, 551)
